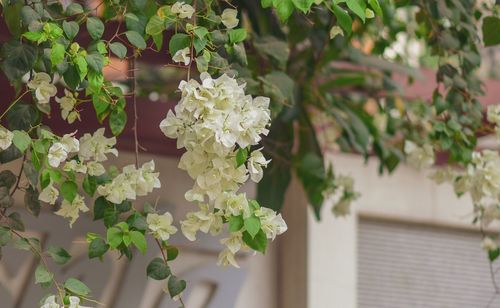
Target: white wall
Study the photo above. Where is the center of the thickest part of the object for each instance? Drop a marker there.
(406, 195)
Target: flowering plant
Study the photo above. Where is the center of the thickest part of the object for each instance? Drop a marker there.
(276, 84)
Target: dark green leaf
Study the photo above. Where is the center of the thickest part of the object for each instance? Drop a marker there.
(136, 39)
(235, 223)
(42, 275)
(258, 242)
(71, 29)
(118, 49)
(177, 42)
(69, 190)
(95, 61)
(19, 59)
(117, 121)
(7, 179)
(95, 27)
(58, 254)
(76, 287)
(172, 253)
(97, 248)
(343, 18)
(21, 140)
(31, 201)
(158, 269)
(175, 286)
(491, 30)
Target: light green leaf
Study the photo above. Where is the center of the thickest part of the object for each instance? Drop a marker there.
(284, 8)
(252, 224)
(69, 190)
(236, 223)
(177, 42)
(57, 54)
(358, 8)
(139, 241)
(21, 140)
(237, 35)
(42, 275)
(156, 25)
(114, 237)
(257, 242)
(303, 5)
(241, 156)
(343, 18)
(376, 7)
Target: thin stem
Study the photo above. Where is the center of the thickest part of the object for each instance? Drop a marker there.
(165, 259)
(13, 103)
(134, 102)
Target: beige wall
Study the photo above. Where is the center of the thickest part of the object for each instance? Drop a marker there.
(406, 195)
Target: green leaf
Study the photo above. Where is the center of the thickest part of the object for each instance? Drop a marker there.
(97, 248)
(7, 179)
(343, 18)
(42, 275)
(58, 254)
(175, 286)
(5, 236)
(376, 7)
(266, 3)
(177, 42)
(273, 48)
(241, 156)
(18, 59)
(493, 254)
(139, 241)
(237, 35)
(31, 201)
(155, 26)
(236, 223)
(38, 37)
(284, 8)
(73, 9)
(158, 269)
(21, 140)
(303, 5)
(81, 66)
(77, 287)
(491, 30)
(357, 7)
(95, 27)
(89, 185)
(118, 49)
(117, 121)
(71, 29)
(110, 215)
(114, 237)
(136, 39)
(23, 116)
(69, 190)
(95, 61)
(100, 205)
(172, 253)
(252, 225)
(257, 242)
(57, 54)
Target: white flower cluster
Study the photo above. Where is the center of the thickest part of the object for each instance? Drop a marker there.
(44, 89)
(67, 104)
(132, 182)
(213, 119)
(419, 157)
(342, 195)
(493, 117)
(182, 10)
(5, 138)
(161, 225)
(50, 302)
(91, 151)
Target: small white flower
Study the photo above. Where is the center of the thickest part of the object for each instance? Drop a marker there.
(229, 18)
(43, 87)
(5, 138)
(182, 10)
(72, 210)
(67, 104)
(488, 244)
(182, 55)
(255, 164)
(226, 257)
(96, 146)
(75, 166)
(57, 154)
(234, 242)
(95, 168)
(49, 194)
(493, 115)
(419, 157)
(271, 223)
(71, 143)
(161, 225)
(50, 302)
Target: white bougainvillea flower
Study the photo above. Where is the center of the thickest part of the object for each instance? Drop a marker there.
(271, 223)
(233, 205)
(182, 55)
(96, 146)
(229, 18)
(161, 225)
(182, 10)
(57, 154)
(234, 242)
(67, 104)
(493, 114)
(226, 257)
(70, 143)
(74, 302)
(255, 163)
(204, 220)
(488, 244)
(49, 194)
(71, 210)
(5, 138)
(50, 302)
(419, 157)
(75, 166)
(43, 87)
(95, 168)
